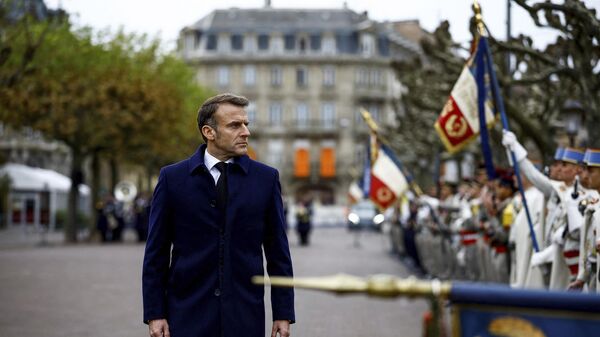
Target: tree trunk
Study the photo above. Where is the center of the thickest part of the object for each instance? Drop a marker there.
(149, 179)
(95, 181)
(76, 179)
(114, 174)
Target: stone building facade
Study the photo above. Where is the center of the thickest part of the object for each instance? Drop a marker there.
(306, 72)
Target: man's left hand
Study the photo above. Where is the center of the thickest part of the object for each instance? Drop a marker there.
(281, 326)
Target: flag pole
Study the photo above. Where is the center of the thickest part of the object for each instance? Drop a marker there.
(500, 106)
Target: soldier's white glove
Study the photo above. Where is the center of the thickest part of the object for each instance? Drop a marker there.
(543, 256)
(509, 140)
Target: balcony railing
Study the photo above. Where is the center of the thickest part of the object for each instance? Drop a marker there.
(297, 128)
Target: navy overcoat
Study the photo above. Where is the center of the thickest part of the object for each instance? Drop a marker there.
(200, 258)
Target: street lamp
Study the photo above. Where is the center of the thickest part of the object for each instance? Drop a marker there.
(573, 113)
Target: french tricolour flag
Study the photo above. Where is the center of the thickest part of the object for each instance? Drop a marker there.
(387, 180)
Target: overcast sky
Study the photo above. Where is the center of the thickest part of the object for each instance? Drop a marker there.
(166, 18)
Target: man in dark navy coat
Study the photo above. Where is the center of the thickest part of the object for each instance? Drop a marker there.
(211, 217)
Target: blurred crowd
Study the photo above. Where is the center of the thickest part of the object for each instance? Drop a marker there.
(480, 229)
(114, 216)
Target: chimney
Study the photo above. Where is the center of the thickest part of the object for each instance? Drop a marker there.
(267, 3)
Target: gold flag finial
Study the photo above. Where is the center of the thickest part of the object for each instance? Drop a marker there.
(478, 18)
(376, 285)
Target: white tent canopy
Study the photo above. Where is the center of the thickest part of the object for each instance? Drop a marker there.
(26, 178)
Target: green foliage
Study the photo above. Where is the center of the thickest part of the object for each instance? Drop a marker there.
(121, 97)
(116, 96)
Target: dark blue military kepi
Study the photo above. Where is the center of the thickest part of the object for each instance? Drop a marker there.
(592, 157)
(559, 153)
(572, 155)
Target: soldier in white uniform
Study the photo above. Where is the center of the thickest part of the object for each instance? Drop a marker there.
(587, 274)
(573, 160)
(557, 193)
(520, 236)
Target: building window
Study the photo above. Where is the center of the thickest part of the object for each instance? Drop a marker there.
(358, 119)
(362, 76)
(211, 42)
(276, 76)
(373, 108)
(375, 112)
(367, 44)
(275, 152)
(223, 76)
(329, 76)
(328, 115)
(251, 111)
(237, 42)
(315, 42)
(249, 75)
(275, 112)
(302, 115)
(347, 43)
(383, 43)
(263, 42)
(301, 76)
(376, 77)
(289, 42)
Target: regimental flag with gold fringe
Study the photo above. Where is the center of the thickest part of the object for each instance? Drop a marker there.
(494, 310)
(461, 119)
(387, 182)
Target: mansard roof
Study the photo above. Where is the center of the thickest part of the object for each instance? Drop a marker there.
(270, 19)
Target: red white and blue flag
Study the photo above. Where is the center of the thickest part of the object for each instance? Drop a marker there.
(459, 122)
(472, 105)
(388, 182)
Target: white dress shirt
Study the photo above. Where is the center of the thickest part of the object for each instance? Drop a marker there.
(210, 161)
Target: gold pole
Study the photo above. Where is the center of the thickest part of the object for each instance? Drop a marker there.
(366, 115)
(479, 18)
(376, 286)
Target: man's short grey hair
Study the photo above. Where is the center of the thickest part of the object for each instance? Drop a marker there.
(210, 106)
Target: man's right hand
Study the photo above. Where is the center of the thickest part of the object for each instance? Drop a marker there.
(159, 328)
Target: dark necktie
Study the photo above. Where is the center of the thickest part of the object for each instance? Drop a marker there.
(222, 184)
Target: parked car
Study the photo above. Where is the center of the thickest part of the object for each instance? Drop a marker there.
(364, 215)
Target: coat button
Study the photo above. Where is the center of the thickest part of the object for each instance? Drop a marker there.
(213, 203)
(217, 292)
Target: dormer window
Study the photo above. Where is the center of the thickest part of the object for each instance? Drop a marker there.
(289, 42)
(367, 44)
(263, 42)
(211, 42)
(315, 42)
(237, 42)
